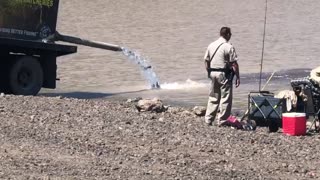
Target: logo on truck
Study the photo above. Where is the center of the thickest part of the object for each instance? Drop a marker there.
(45, 31)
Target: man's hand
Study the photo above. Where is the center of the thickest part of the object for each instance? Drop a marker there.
(237, 82)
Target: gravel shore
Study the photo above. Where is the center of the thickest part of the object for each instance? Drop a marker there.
(61, 138)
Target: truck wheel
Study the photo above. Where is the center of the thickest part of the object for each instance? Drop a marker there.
(26, 76)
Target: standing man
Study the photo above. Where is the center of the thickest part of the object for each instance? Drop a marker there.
(221, 65)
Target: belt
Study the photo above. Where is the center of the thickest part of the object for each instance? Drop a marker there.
(218, 69)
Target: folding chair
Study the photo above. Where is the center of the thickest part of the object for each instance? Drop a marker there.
(265, 109)
(312, 108)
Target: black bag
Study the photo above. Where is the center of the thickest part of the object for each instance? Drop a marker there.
(266, 110)
(230, 73)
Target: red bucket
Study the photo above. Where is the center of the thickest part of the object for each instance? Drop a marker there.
(294, 124)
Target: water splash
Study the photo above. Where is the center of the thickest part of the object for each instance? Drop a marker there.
(189, 84)
(145, 67)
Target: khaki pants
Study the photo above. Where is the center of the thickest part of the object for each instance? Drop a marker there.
(220, 98)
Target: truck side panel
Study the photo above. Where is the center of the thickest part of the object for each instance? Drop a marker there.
(28, 19)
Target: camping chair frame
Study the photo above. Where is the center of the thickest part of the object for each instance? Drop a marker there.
(314, 123)
(311, 109)
(267, 108)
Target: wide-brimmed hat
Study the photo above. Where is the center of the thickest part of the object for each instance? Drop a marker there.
(315, 75)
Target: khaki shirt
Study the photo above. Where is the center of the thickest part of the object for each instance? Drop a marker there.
(225, 54)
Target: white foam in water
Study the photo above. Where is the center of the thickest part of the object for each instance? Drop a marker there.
(151, 76)
(145, 67)
(189, 84)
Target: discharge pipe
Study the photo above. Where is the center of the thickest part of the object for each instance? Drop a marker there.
(75, 40)
(147, 69)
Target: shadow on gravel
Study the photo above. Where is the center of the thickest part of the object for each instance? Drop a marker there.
(86, 95)
(78, 95)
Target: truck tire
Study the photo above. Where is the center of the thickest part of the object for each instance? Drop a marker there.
(26, 76)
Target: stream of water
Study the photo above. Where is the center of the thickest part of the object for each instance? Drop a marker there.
(145, 67)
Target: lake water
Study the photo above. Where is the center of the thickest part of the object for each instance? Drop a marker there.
(173, 36)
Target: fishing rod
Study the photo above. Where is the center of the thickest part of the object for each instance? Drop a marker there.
(264, 37)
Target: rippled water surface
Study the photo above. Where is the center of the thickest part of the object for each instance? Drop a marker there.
(173, 36)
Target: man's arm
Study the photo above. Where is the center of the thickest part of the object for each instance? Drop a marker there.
(207, 62)
(235, 68)
(234, 64)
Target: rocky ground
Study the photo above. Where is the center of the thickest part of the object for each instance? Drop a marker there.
(59, 138)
